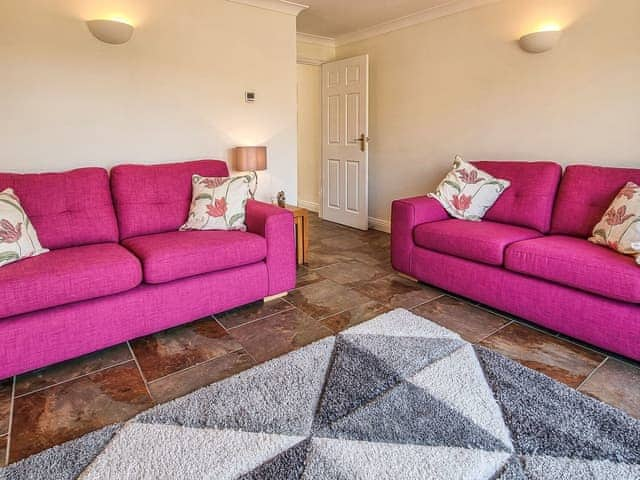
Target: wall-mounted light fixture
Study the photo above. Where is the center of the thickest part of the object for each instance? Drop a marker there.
(114, 32)
(540, 41)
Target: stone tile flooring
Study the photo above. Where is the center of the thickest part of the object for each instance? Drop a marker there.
(348, 279)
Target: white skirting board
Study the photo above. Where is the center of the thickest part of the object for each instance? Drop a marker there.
(375, 223)
(311, 206)
(380, 224)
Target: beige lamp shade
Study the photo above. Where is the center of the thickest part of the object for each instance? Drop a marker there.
(250, 158)
(110, 31)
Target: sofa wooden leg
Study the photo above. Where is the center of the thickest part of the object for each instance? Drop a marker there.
(275, 297)
(408, 277)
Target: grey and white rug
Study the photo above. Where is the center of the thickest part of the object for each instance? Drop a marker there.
(397, 397)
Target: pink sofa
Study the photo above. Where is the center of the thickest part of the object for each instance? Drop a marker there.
(530, 256)
(119, 269)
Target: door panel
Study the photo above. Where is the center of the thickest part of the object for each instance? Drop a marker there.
(353, 118)
(333, 78)
(345, 93)
(334, 184)
(333, 118)
(353, 74)
(351, 186)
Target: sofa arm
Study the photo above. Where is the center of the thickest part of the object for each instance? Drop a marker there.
(406, 214)
(276, 226)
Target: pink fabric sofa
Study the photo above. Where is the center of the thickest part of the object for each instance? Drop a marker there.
(530, 256)
(119, 269)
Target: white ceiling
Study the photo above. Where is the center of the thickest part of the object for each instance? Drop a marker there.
(332, 18)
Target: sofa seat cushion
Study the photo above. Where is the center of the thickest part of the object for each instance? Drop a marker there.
(577, 263)
(479, 241)
(174, 255)
(65, 276)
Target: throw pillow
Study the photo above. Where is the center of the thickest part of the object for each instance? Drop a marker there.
(18, 238)
(619, 228)
(218, 203)
(468, 192)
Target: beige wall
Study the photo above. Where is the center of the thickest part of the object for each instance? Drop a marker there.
(314, 52)
(310, 56)
(309, 135)
(460, 84)
(174, 92)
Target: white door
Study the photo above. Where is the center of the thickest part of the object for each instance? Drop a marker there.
(345, 105)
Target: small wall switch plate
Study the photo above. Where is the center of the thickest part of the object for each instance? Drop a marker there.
(249, 97)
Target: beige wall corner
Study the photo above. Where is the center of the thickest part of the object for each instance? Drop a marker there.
(312, 52)
(315, 50)
(309, 136)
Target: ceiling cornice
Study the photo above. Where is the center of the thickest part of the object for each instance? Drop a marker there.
(309, 61)
(316, 39)
(282, 6)
(450, 8)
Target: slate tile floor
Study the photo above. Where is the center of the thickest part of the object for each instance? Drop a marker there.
(347, 280)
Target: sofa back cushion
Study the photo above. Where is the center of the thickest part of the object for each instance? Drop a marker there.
(156, 198)
(67, 209)
(528, 202)
(585, 193)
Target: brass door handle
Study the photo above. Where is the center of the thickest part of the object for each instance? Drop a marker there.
(363, 139)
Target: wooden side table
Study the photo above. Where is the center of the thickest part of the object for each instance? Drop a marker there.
(301, 221)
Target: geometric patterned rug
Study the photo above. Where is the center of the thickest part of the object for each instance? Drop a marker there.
(397, 397)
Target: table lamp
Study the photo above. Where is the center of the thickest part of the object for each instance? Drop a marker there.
(250, 159)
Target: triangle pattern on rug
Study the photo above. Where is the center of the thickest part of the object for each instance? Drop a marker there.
(279, 396)
(512, 470)
(401, 323)
(185, 453)
(62, 462)
(552, 468)
(288, 465)
(575, 426)
(458, 380)
(341, 459)
(408, 414)
(355, 377)
(405, 355)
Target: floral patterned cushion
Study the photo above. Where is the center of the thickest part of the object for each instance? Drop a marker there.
(218, 203)
(619, 229)
(468, 192)
(18, 238)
